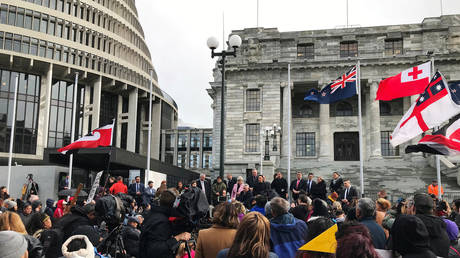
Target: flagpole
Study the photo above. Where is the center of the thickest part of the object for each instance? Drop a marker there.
(10, 155)
(289, 133)
(149, 137)
(438, 161)
(72, 132)
(360, 122)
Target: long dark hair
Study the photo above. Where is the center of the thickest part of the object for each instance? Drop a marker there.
(354, 241)
(252, 238)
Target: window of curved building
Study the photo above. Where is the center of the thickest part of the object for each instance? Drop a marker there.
(61, 108)
(344, 109)
(28, 100)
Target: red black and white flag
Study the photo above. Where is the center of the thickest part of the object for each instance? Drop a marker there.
(409, 82)
(437, 104)
(445, 141)
(98, 137)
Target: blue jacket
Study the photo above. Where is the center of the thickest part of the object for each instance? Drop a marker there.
(287, 234)
(376, 231)
(258, 209)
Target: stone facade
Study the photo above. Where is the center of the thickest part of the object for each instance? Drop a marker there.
(316, 58)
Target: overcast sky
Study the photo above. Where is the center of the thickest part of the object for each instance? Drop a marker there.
(176, 32)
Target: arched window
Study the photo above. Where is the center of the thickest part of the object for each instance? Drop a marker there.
(306, 111)
(344, 109)
(385, 109)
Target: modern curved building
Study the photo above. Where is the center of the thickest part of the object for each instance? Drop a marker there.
(46, 42)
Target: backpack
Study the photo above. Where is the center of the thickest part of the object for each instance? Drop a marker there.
(52, 240)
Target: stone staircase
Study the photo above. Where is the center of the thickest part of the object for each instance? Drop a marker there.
(398, 176)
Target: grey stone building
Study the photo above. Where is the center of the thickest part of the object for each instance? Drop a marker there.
(324, 138)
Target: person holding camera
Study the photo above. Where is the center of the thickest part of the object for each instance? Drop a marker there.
(157, 231)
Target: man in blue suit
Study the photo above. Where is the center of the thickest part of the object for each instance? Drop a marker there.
(136, 190)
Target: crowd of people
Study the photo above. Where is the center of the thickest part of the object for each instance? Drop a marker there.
(248, 218)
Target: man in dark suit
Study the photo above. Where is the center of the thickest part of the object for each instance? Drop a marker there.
(310, 183)
(252, 180)
(349, 193)
(230, 183)
(298, 185)
(205, 186)
(280, 185)
(136, 190)
(336, 184)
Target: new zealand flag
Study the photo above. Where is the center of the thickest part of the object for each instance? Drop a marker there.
(342, 88)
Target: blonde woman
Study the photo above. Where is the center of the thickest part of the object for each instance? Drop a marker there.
(251, 240)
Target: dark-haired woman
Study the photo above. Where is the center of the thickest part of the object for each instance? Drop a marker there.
(38, 223)
(221, 234)
(251, 240)
(354, 241)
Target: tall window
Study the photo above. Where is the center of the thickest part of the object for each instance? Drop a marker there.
(305, 144)
(393, 47)
(252, 137)
(169, 142)
(207, 160)
(182, 141)
(61, 114)
(195, 140)
(386, 148)
(109, 108)
(305, 50)
(169, 158)
(27, 109)
(349, 49)
(194, 160)
(207, 141)
(253, 100)
(181, 159)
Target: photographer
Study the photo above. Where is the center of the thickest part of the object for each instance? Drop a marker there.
(156, 233)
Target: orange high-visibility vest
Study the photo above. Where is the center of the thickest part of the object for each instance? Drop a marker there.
(434, 190)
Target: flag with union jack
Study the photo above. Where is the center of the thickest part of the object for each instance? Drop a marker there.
(343, 87)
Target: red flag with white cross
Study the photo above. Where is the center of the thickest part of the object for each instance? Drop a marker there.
(412, 81)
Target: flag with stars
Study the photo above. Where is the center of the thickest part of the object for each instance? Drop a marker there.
(437, 104)
(342, 88)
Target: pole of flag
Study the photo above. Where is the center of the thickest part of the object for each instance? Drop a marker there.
(149, 137)
(438, 161)
(289, 132)
(347, 13)
(10, 155)
(360, 124)
(72, 132)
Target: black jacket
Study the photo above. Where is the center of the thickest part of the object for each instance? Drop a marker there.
(439, 241)
(69, 222)
(252, 180)
(230, 185)
(300, 212)
(207, 188)
(280, 186)
(34, 247)
(352, 193)
(157, 234)
(309, 188)
(318, 190)
(131, 238)
(302, 186)
(245, 198)
(337, 186)
(261, 188)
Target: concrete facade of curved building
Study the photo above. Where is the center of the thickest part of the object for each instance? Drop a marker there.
(45, 43)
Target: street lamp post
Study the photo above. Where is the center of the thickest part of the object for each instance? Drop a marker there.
(275, 130)
(234, 41)
(267, 144)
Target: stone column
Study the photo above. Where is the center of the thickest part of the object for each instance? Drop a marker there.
(87, 109)
(132, 120)
(96, 102)
(325, 137)
(163, 146)
(188, 143)
(119, 122)
(374, 116)
(44, 113)
(200, 160)
(176, 140)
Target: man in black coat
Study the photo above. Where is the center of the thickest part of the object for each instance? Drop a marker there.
(279, 184)
(79, 216)
(245, 197)
(131, 236)
(252, 180)
(349, 193)
(439, 240)
(336, 184)
(261, 187)
(310, 183)
(136, 190)
(230, 183)
(318, 190)
(298, 185)
(157, 237)
(205, 186)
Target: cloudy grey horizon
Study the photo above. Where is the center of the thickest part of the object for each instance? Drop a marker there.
(176, 32)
